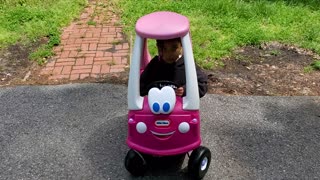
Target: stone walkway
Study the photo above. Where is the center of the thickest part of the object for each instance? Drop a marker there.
(92, 46)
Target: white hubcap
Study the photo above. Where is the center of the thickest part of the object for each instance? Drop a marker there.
(204, 163)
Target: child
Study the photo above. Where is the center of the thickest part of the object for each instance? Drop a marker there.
(169, 65)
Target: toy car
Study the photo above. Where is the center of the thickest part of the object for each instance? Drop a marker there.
(161, 123)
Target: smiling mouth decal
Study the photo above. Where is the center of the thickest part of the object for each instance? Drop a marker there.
(162, 135)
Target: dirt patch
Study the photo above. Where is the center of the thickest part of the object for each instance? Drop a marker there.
(272, 69)
(14, 62)
(17, 69)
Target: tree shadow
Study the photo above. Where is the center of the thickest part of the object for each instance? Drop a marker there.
(283, 143)
(106, 149)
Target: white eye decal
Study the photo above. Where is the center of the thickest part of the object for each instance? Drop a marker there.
(162, 101)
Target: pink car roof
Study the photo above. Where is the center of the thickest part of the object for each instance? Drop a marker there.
(162, 25)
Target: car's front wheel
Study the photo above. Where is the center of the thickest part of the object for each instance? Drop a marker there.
(199, 162)
(135, 163)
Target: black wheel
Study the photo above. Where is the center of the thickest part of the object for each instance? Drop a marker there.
(199, 162)
(135, 163)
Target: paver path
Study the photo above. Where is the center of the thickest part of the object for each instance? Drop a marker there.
(92, 46)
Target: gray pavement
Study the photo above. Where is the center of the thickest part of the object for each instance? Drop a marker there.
(78, 132)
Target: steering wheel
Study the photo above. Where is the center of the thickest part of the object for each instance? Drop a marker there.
(162, 83)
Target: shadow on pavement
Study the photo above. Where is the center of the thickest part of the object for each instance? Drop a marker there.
(106, 149)
(284, 145)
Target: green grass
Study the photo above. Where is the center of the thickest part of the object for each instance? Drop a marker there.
(26, 21)
(316, 65)
(219, 26)
(92, 23)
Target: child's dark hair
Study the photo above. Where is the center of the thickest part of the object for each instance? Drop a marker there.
(160, 42)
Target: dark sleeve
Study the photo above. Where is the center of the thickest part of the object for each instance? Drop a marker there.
(146, 77)
(202, 81)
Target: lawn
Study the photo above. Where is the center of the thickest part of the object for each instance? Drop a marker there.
(217, 26)
(220, 26)
(26, 21)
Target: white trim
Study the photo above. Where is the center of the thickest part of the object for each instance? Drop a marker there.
(191, 101)
(135, 101)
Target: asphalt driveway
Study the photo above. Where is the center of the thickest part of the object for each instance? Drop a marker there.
(78, 132)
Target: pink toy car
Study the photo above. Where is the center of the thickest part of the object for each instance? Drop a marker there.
(161, 123)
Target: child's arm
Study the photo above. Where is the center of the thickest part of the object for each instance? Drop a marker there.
(147, 77)
(202, 82)
(144, 81)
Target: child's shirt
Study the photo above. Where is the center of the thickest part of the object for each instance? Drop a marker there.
(158, 70)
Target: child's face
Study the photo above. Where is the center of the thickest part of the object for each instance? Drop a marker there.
(169, 50)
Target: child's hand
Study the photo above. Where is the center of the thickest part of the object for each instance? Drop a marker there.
(179, 91)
